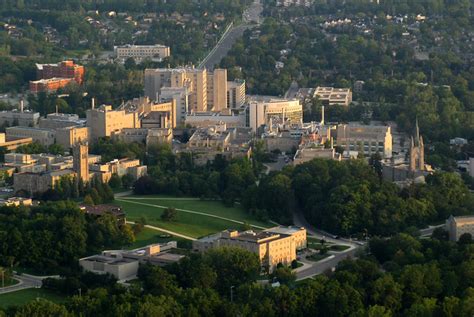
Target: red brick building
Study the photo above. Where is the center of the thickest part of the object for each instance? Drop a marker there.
(66, 69)
(52, 77)
(48, 85)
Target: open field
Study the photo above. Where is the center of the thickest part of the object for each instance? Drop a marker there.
(27, 295)
(149, 236)
(196, 219)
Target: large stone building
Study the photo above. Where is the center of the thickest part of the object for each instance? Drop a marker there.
(205, 90)
(273, 246)
(370, 139)
(235, 94)
(180, 97)
(37, 183)
(60, 120)
(45, 137)
(105, 121)
(266, 111)
(139, 53)
(70, 136)
(52, 77)
(457, 226)
(19, 117)
(65, 69)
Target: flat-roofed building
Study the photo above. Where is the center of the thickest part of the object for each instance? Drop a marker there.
(298, 233)
(263, 110)
(49, 85)
(334, 96)
(19, 118)
(298, 3)
(159, 136)
(206, 119)
(271, 248)
(120, 167)
(17, 201)
(371, 139)
(104, 121)
(180, 97)
(139, 53)
(65, 69)
(235, 94)
(60, 120)
(70, 136)
(124, 264)
(457, 226)
(45, 137)
(37, 183)
(206, 90)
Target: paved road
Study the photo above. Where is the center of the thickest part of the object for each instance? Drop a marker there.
(429, 231)
(26, 281)
(327, 264)
(324, 265)
(166, 231)
(251, 18)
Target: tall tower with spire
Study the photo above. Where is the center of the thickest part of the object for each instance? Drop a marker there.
(417, 151)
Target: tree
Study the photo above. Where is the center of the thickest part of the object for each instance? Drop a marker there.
(88, 200)
(233, 266)
(465, 238)
(284, 275)
(115, 181)
(42, 308)
(169, 214)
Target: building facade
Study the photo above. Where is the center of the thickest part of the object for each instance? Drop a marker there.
(272, 246)
(369, 138)
(274, 111)
(235, 94)
(457, 226)
(45, 137)
(104, 121)
(206, 90)
(65, 69)
(334, 96)
(139, 53)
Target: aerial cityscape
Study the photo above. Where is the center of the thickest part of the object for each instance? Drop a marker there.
(237, 158)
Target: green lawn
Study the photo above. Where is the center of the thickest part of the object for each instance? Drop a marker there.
(339, 247)
(193, 225)
(317, 257)
(149, 236)
(27, 295)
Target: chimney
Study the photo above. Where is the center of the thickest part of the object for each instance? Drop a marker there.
(322, 115)
(22, 105)
(93, 103)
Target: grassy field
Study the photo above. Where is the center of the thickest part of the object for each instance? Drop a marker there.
(149, 236)
(193, 225)
(27, 295)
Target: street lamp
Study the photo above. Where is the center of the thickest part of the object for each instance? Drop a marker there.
(232, 293)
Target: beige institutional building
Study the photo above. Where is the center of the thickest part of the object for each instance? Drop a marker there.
(141, 52)
(205, 90)
(371, 138)
(268, 111)
(273, 246)
(334, 96)
(457, 226)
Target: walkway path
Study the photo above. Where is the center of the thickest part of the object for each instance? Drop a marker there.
(166, 231)
(191, 212)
